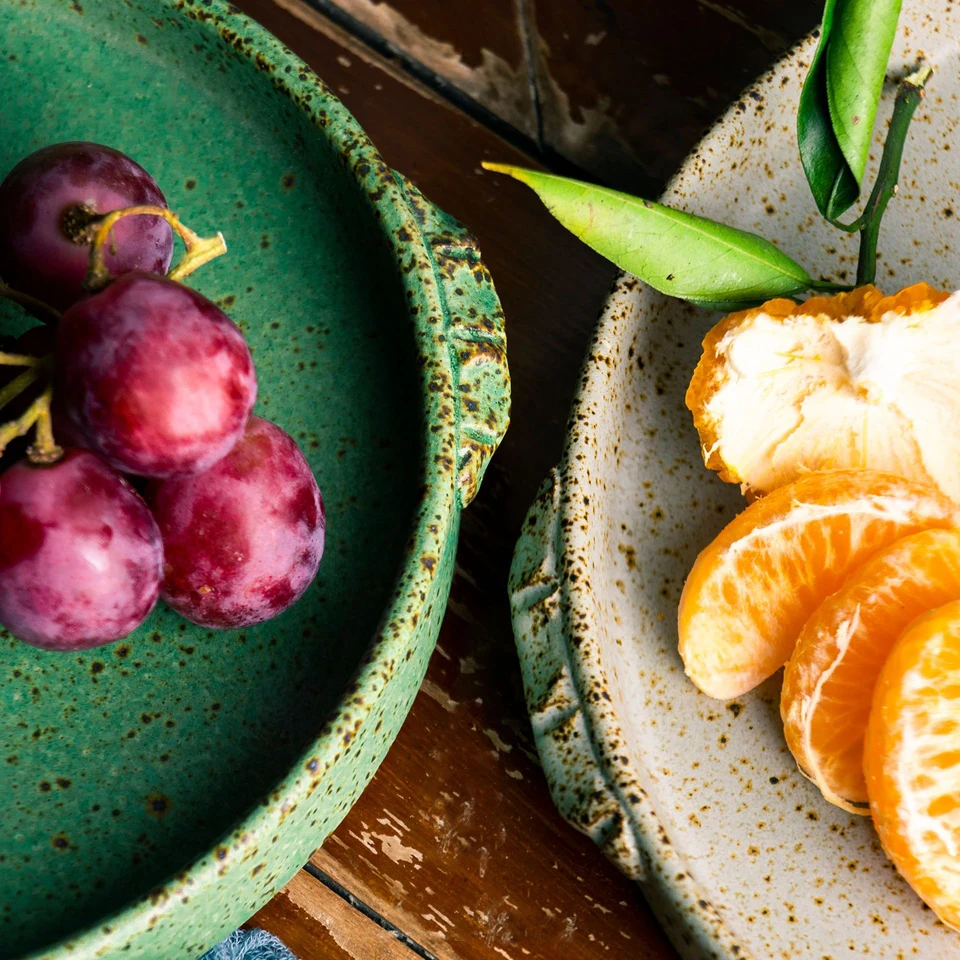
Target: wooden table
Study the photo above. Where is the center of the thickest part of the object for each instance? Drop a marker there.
(455, 850)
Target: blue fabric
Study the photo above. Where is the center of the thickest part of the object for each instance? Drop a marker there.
(249, 945)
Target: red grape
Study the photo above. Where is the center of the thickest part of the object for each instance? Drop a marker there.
(80, 554)
(242, 542)
(41, 194)
(155, 377)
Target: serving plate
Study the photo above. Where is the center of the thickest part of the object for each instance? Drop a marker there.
(155, 792)
(699, 800)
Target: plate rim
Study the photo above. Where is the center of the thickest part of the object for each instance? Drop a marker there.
(561, 662)
(452, 462)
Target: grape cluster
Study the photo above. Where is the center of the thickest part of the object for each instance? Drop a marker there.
(138, 377)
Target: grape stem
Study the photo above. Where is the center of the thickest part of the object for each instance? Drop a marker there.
(19, 360)
(25, 300)
(15, 387)
(44, 448)
(200, 250)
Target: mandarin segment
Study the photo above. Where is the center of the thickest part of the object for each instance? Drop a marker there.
(828, 683)
(855, 380)
(751, 590)
(912, 759)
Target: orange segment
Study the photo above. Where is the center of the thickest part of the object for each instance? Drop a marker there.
(854, 380)
(828, 683)
(751, 591)
(912, 759)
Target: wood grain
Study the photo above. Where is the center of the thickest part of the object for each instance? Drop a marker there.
(454, 844)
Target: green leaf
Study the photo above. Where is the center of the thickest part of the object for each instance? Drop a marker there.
(838, 103)
(674, 252)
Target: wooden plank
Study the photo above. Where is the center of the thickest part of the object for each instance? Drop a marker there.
(626, 88)
(479, 49)
(622, 89)
(453, 842)
(316, 924)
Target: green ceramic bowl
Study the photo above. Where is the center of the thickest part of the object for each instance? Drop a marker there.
(155, 792)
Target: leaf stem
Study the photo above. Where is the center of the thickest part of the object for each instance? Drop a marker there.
(826, 286)
(909, 95)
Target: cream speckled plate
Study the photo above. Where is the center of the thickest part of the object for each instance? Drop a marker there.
(698, 800)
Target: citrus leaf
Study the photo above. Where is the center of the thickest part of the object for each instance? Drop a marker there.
(677, 253)
(833, 184)
(838, 103)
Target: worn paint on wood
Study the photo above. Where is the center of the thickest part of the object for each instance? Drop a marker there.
(453, 843)
(623, 89)
(316, 924)
(478, 47)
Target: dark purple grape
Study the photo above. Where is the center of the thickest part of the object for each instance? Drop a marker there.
(44, 198)
(154, 376)
(80, 554)
(243, 541)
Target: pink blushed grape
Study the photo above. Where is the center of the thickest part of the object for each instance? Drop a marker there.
(155, 377)
(80, 554)
(242, 541)
(39, 203)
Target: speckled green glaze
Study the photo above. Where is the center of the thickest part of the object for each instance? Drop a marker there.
(155, 792)
(698, 800)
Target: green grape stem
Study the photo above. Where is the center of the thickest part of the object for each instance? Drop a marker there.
(200, 250)
(15, 387)
(44, 448)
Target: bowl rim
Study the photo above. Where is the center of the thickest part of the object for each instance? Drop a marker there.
(438, 507)
(619, 816)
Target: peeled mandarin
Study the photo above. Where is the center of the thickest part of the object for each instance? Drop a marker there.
(912, 759)
(751, 590)
(854, 380)
(828, 683)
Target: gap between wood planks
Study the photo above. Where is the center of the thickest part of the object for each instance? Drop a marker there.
(526, 21)
(313, 919)
(368, 912)
(426, 78)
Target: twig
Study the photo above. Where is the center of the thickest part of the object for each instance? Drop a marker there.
(909, 95)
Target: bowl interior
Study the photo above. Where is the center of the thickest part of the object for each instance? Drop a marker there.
(789, 874)
(119, 765)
